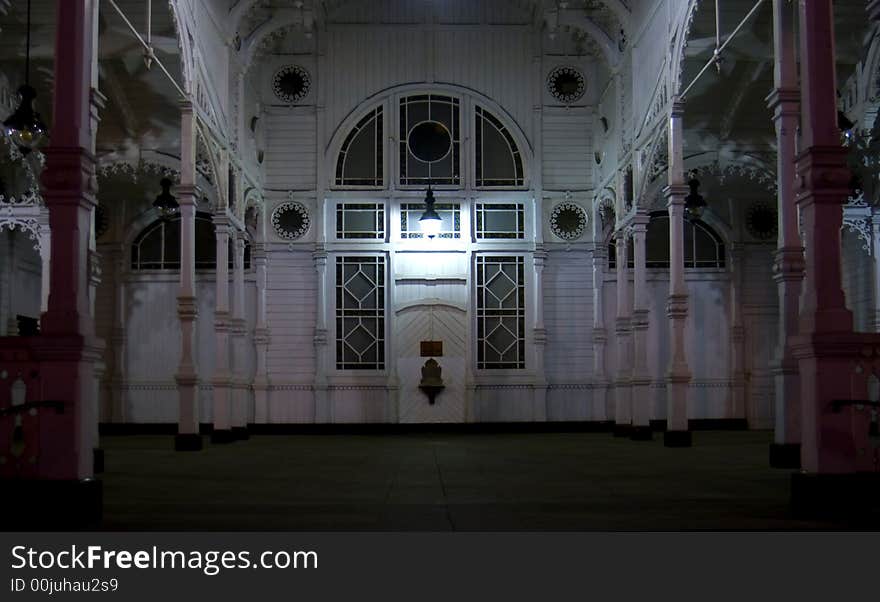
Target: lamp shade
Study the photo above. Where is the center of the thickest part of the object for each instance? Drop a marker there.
(25, 127)
(694, 203)
(165, 202)
(430, 222)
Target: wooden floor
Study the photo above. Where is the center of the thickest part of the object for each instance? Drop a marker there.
(497, 482)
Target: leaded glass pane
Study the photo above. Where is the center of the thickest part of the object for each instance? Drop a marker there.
(498, 159)
(499, 220)
(500, 312)
(360, 161)
(450, 214)
(360, 220)
(360, 313)
(444, 113)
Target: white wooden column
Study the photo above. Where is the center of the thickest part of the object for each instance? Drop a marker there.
(539, 412)
(222, 432)
(737, 332)
(261, 334)
(188, 438)
(641, 379)
(9, 270)
(323, 409)
(788, 267)
(600, 334)
(875, 261)
(240, 395)
(45, 258)
(679, 376)
(118, 338)
(622, 391)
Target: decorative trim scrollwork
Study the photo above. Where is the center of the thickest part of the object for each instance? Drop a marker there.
(21, 214)
(858, 219)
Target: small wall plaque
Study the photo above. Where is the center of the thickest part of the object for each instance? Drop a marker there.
(432, 348)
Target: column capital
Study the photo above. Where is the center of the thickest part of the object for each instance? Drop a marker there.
(676, 107)
(822, 175)
(784, 102)
(640, 319)
(187, 194)
(677, 306)
(539, 336)
(789, 264)
(187, 308)
(675, 193)
(68, 177)
(640, 220)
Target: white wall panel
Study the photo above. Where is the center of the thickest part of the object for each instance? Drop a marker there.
(567, 149)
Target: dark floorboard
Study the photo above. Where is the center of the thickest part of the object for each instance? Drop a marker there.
(583, 481)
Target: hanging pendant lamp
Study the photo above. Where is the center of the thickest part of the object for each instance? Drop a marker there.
(430, 222)
(25, 127)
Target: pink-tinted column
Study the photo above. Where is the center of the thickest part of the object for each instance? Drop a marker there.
(68, 349)
(823, 187)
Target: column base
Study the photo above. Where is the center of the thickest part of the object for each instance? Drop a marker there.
(187, 442)
(241, 433)
(98, 460)
(622, 430)
(785, 455)
(51, 505)
(851, 496)
(677, 439)
(642, 433)
(222, 437)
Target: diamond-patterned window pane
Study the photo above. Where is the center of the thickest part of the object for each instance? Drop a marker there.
(500, 312)
(360, 313)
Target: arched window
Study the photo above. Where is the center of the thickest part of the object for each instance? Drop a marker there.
(498, 159)
(158, 246)
(703, 248)
(439, 117)
(361, 157)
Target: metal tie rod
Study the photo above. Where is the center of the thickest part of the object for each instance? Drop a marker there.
(719, 50)
(147, 47)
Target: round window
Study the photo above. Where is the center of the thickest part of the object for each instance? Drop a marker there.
(291, 83)
(566, 84)
(568, 221)
(290, 220)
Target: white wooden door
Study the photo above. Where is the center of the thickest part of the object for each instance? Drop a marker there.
(438, 322)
